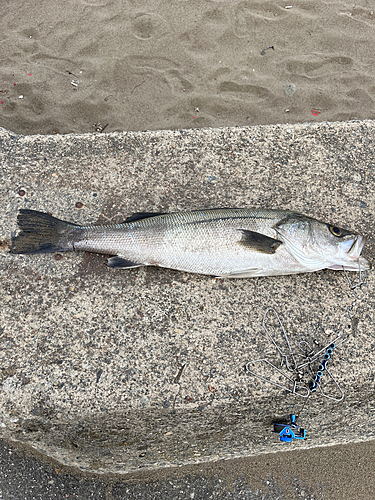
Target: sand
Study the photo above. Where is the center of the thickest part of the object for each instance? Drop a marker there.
(79, 66)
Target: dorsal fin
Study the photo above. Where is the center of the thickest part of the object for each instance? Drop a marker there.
(142, 215)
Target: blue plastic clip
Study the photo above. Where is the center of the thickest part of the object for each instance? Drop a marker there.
(291, 431)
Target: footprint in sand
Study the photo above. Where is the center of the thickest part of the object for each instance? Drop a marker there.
(145, 26)
(317, 65)
(249, 15)
(96, 3)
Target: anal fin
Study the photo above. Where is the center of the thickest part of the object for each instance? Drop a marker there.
(244, 273)
(118, 262)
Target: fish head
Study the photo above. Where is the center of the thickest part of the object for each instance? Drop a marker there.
(318, 245)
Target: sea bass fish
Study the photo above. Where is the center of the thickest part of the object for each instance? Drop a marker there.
(227, 242)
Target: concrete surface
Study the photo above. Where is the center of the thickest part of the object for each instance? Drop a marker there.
(91, 358)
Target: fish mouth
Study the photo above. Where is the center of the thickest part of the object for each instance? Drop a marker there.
(352, 248)
(355, 247)
(360, 264)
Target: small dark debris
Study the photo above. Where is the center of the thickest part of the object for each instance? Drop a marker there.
(142, 455)
(363, 204)
(99, 127)
(354, 324)
(264, 50)
(21, 192)
(79, 205)
(178, 376)
(98, 375)
(58, 256)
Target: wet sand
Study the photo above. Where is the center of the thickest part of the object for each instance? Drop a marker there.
(317, 474)
(81, 65)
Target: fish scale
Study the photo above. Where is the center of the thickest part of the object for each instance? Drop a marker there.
(219, 242)
(190, 242)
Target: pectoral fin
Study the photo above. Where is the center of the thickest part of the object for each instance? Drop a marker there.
(121, 263)
(258, 242)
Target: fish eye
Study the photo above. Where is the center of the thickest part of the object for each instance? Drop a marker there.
(336, 231)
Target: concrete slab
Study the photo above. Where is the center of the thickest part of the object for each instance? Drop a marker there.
(113, 371)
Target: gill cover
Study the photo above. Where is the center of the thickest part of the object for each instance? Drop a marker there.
(294, 232)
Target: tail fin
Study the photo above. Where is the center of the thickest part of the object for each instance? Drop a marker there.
(41, 233)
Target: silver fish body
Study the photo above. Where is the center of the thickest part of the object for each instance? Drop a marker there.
(234, 243)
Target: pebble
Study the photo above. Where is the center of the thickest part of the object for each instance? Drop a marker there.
(290, 89)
